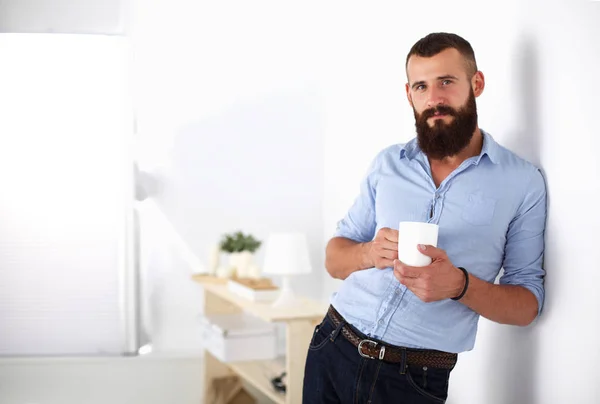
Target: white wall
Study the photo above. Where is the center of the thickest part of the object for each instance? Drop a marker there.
(567, 36)
(539, 59)
(230, 123)
(230, 120)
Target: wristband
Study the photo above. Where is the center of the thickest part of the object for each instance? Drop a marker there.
(466, 285)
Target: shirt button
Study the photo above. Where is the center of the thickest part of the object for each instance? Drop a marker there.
(397, 291)
(381, 321)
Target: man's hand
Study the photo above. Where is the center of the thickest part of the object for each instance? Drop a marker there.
(383, 250)
(437, 281)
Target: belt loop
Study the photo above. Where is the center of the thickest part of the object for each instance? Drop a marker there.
(335, 333)
(403, 364)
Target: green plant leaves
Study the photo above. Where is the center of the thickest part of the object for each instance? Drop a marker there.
(238, 241)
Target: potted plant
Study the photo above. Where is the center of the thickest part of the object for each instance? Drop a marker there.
(241, 249)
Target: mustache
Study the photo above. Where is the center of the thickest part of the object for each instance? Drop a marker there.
(441, 109)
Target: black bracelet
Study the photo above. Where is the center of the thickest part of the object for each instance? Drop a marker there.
(466, 285)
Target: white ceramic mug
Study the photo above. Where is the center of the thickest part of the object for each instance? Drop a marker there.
(410, 235)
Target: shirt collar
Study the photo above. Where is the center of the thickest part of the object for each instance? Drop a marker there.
(410, 150)
(490, 149)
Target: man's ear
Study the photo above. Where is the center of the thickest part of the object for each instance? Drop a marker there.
(408, 96)
(478, 83)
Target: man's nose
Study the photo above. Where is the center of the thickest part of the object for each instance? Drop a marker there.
(435, 98)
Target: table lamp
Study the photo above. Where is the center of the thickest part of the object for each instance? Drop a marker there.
(286, 254)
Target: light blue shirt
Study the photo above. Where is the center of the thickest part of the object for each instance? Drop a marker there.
(491, 213)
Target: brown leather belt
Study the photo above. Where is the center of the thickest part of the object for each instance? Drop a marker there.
(372, 349)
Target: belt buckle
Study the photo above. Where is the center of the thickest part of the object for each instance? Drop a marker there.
(368, 341)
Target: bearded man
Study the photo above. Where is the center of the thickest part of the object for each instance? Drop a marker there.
(393, 332)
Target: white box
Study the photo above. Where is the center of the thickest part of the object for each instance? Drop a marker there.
(239, 337)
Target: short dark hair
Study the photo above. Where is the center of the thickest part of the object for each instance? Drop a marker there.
(436, 42)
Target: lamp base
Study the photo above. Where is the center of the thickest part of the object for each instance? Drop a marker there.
(287, 296)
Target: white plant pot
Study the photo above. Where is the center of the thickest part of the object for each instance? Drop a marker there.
(225, 272)
(254, 271)
(245, 259)
(233, 262)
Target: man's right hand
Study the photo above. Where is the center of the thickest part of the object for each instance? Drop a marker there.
(344, 256)
(383, 250)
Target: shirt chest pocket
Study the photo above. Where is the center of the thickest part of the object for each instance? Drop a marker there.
(479, 209)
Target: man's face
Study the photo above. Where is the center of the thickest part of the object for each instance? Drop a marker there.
(443, 102)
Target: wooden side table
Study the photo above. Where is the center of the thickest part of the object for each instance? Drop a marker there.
(299, 320)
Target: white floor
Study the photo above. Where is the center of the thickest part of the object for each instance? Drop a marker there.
(101, 381)
(141, 380)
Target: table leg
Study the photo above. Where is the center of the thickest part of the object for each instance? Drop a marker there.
(298, 336)
(213, 368)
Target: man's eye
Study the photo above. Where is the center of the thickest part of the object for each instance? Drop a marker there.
(446, 82)
(420, 87)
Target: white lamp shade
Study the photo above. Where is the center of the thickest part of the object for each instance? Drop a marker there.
(286, 254)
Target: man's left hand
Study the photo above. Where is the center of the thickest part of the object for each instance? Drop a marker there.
(438, 281)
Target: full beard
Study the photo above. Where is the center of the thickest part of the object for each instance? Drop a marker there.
(446, 139)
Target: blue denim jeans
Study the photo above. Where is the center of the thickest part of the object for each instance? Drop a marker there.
(336, 373)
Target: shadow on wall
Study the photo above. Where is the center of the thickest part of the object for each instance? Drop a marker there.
(512, 361)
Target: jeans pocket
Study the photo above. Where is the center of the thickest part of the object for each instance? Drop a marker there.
(429, 382)
(321, 335)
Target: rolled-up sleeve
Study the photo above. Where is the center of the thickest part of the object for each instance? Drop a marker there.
(359, 223)
(524, 251)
